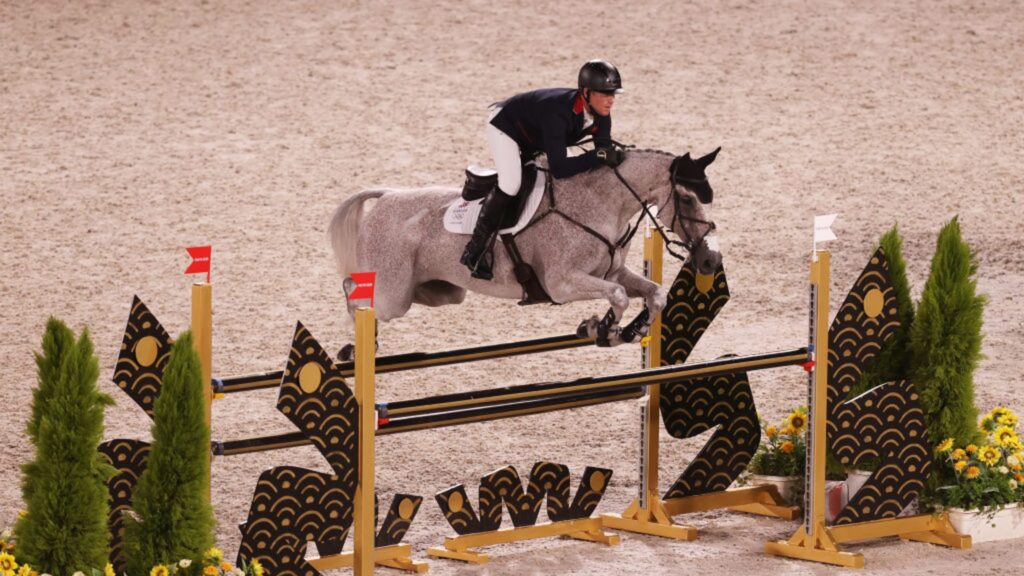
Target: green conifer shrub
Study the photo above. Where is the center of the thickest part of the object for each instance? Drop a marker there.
(172, 517)
(945, 341)
(64, 487)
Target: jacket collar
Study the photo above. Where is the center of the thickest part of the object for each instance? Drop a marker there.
(578, 104)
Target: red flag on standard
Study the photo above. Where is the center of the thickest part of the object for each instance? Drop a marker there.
(364, 286)
(200, 261)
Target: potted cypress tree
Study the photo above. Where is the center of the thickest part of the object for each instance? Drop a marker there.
(944, 350)
(172, 519)
(65, 527)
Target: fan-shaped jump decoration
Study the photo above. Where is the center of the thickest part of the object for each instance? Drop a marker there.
(503, 489)
(293, 506)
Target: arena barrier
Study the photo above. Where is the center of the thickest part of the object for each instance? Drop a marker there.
(294, 506)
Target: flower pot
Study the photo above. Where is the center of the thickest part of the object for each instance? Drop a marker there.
(855, 479)
(1004, 524)
(786, 485)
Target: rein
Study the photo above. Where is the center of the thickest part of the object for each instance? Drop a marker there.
(689, 245)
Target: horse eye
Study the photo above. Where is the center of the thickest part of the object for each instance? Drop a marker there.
(688, 200)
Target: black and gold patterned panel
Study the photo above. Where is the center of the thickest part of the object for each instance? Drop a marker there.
(144, 353)
(399, 518)
(293, 506)
(504, 489)
(290, 507)
(885, 423)
(866, 319)
(317, 400)
(727, 404)
(691, 407)
(129, 457)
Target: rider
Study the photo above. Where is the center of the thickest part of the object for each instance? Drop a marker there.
(547, 120)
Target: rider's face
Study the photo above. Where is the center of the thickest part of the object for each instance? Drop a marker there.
(601, 103)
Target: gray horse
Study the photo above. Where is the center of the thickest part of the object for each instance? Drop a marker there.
(402, 238)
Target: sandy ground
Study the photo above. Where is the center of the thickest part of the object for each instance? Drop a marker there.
(131, 130)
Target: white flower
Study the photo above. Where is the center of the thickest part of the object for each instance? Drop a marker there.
(79, 573)
(1013, 484)
(1004, 470)
(237, 572)
(1012, 460)
(6, 534)
(185, 563)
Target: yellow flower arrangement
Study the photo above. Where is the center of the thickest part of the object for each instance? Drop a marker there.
(27, 570)
(958, 454)
(972, 472)
(797, 421)
(1005, 437)
(108, 570)
(160, 570)
(7, 562)
(1018, 477)
(971, 448)
(210, 571)
(226, 567)
(782, 448)
(257, 568)
(945, 446)
(214, 555)
(959, 466)
(1009, 419)
(990, 455)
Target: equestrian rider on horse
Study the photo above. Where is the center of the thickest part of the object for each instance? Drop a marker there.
(544, 121)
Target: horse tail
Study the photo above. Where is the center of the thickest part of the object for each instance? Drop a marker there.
(344, 229)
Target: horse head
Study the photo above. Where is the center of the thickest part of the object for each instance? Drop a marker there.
(686, 209)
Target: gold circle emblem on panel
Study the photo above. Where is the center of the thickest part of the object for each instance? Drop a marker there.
(455, 502)
(309, 377)
(597, 481)
(873, 301)
(145, 351)
(405, 509)
(704, 282)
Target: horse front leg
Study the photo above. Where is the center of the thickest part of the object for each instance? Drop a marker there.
(655, 298)
(605, 331)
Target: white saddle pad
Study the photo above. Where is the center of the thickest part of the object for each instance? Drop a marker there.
(460, 217)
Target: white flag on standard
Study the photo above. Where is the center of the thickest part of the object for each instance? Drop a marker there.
(823, 228)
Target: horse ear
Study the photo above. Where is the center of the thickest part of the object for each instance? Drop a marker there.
(705, 161)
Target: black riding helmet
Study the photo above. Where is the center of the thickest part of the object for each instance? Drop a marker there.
(600, 76)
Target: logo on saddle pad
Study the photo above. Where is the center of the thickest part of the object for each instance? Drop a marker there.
(461, 215)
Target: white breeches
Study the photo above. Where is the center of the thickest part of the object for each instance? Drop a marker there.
(505, 152)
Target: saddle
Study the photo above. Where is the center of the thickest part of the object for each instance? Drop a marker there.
(480, 182)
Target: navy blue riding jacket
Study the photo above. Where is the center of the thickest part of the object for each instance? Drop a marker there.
(549, 121)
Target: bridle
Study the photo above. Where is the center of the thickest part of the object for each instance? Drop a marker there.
(690, 243)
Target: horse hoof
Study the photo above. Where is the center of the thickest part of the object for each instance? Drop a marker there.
(588, 328)
(347, 353)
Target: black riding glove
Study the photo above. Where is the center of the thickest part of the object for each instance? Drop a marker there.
(610, 157)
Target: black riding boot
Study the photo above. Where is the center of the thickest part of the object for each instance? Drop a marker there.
(475, 255)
